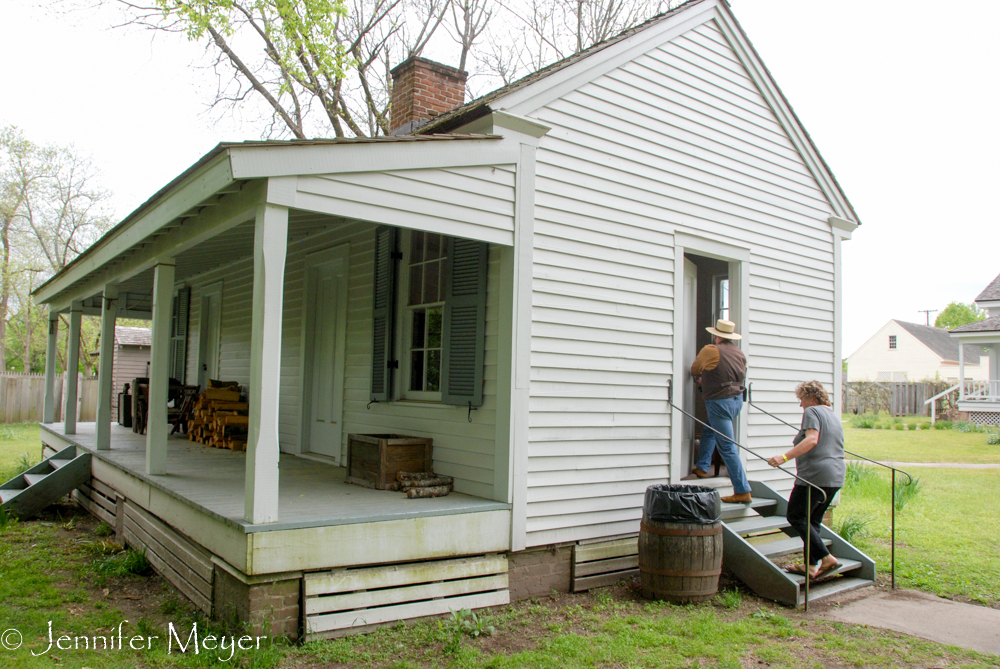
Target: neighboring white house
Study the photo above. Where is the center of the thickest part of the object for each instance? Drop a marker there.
(522, 286)
(902, 351)
(980, 395)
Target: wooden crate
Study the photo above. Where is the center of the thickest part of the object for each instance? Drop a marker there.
(373, 460)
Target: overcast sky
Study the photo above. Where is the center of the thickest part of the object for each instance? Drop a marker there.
(901, 98)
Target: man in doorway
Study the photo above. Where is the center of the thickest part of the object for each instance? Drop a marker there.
(720, 369)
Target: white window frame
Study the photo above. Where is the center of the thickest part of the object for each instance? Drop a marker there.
(405, 329)
(717, 307)
(893, 343)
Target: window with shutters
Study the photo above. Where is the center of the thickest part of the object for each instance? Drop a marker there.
(428, 317)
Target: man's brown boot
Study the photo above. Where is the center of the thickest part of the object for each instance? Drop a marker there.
(700, 474)
(740, 498)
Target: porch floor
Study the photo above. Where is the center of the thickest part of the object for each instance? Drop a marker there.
(311, 493)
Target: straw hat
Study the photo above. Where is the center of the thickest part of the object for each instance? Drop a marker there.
(725, 329)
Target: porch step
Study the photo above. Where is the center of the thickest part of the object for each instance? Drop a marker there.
(51, 479)
(755, 524)
(753, 563)
(788, 546)
(763, 507)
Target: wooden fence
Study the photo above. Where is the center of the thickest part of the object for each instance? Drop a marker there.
(22, 397)
(899, 399)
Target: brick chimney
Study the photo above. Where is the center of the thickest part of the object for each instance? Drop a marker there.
(421, 90)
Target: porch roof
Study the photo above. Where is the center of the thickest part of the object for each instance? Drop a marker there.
(235, 174)
(987, 325)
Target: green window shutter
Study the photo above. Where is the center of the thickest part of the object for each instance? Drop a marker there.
(464, 336)
(383, 306)
(179, 334)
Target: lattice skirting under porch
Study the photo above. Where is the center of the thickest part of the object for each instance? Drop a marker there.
(984, 417)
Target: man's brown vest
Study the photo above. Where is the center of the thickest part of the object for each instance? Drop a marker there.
(726, 380)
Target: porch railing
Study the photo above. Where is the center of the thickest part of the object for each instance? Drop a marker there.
(933, 401)
(980, 391)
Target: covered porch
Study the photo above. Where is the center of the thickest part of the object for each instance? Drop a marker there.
(981, 398)
(263, 265)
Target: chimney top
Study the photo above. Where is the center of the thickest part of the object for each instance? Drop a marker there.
(421, 90)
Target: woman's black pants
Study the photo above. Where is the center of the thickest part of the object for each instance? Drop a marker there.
(798, 502)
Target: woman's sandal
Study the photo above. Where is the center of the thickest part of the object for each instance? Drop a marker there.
(826, 572)
(799, 569)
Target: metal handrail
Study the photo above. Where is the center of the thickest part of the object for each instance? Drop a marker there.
(810, 485)
(857, 455)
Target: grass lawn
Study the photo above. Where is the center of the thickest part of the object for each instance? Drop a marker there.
(921, 445)
(18, 440)
(82, 596)
(945, 535)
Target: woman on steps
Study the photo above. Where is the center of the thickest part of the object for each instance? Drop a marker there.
(818, 451)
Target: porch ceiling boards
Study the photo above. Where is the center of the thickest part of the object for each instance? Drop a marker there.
(229, 247)
(311, 493)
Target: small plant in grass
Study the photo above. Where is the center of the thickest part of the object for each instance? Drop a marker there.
(103, 530)
(864, 421)
(463, 623)
(24, 463)
(6, 519)
(729, 599)
(852, 527)
(943, 425)
(993, 438)
(859, 474)
(905, 491)
(967, 426)
(123, 563)
(899, 426)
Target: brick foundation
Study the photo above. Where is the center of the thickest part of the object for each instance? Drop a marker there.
(271, 607)
(536, 572)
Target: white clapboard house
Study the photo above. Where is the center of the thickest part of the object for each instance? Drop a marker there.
(519, 279)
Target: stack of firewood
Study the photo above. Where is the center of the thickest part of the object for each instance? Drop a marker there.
(423, 484)
(219, 418)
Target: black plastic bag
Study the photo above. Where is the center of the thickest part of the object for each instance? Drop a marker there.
(682, 504)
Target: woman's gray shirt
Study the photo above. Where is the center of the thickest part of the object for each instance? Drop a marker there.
(824, 464)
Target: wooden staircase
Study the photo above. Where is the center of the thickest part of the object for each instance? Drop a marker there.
(756, 534)
(51, 479)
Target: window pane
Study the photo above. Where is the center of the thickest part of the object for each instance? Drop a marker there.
(419, 325)
(433, 246)
(416, 279)
(431, 272)
(434, 370)
(434, 322)
(417, 370)
(416, 247)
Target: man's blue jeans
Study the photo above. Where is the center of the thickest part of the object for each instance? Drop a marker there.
(721, 414)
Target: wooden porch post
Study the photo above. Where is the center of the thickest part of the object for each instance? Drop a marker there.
(270, 242)
(70, 391)
(49, 406)
(109, 312)
(159, 368)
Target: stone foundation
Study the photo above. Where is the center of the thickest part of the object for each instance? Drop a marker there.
(536, 572)
(271, 607)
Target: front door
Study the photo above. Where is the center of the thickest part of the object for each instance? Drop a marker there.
(325, 337)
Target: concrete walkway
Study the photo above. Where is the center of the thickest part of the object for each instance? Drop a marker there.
(943, 465)
(926, 616)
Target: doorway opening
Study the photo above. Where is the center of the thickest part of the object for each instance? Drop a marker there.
(706, 295)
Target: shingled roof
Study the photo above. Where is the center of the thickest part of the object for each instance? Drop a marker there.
(991, 324)
(126, 336)
(991, 292)
(939, 341)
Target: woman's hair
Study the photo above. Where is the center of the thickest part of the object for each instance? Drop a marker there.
(813, 390)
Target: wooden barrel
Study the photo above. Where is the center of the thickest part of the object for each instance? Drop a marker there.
(679, 562)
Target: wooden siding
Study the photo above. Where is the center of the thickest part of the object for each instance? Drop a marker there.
(471, 202)
(129, 363)
(679, 139)
(462, 449)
